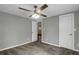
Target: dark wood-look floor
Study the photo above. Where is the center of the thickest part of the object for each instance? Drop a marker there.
(38, 48)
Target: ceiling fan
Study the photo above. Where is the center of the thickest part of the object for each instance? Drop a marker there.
(37, 11)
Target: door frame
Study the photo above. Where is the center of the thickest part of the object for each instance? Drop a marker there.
(32, 32)
(73, 31)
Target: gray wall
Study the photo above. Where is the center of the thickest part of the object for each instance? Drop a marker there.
(76, 33)
(51, 30)
(14, 30)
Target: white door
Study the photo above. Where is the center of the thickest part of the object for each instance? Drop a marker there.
(66, 31)
(34, 31)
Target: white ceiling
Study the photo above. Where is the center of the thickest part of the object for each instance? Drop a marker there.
(52, 10)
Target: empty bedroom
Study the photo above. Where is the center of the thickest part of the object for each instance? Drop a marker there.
(39, 29)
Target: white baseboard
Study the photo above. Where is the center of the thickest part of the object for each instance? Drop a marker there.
(59, 46)
(14, 46)
(31, 42)
(70, 48)
(51, 44)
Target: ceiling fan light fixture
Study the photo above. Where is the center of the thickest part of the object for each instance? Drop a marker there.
(35, 16)
(39, 11)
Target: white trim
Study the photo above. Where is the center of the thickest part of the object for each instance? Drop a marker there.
(14, 46)
(34, 41)
(72, 49)
(59, 46)
(51, 44)
(73, 28)
(36, 31)
(75, 50)
(42, 30)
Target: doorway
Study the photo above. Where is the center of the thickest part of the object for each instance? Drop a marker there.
(39, 28)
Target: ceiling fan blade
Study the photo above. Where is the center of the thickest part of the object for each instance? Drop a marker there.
(43, 7)
(43, 15)
(24, 9)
